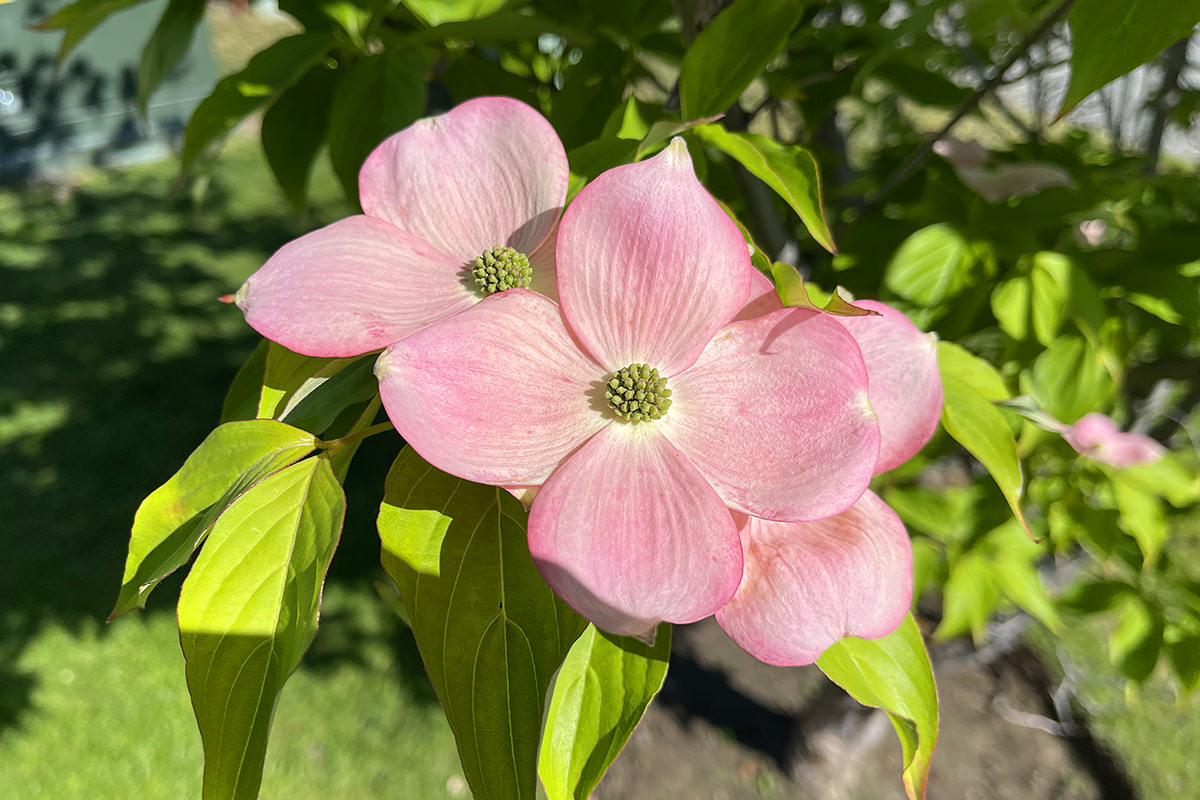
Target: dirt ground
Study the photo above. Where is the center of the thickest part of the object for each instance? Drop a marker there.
(727, 727)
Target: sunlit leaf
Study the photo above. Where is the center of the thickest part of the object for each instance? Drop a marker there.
(1069, 379)
(930, 266)
(491, 632)
(174, 519)
(248, 611)
(600, 694)
(893, 673)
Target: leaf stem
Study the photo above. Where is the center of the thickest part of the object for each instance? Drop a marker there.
(354, 437)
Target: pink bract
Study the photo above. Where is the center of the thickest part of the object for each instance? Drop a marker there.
(491, 172)
(632, 524)
(1097, 437)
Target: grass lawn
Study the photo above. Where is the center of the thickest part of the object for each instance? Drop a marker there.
(115, 356)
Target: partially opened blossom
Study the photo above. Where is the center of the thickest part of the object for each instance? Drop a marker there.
(905, 387)
(808, 584)
(456, 207)
(1098, 437)
(641, 410)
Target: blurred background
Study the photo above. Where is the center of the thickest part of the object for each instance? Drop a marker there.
(115, 355)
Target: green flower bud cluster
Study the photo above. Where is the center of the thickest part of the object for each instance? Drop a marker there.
(502, 268)
(638, 393)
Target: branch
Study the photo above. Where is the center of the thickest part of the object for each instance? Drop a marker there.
(910, 165)
(1165, 101)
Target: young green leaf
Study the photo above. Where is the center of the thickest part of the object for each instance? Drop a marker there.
(1142, 517)
(491, 632)
(980, 427)
(735, 47)
(788, 169)
(972, 370)
(600, 694)
(376, 97)
(893, 673)
(79, 19)
(167, 45)
(173, 520)
(1069, 379)
(294, 128)
(248, 611)
(930, 266)
(1112, 37)
(237, 96)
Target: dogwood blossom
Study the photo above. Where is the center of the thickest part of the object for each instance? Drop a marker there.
(641, 410)
(456, 207)
(1097, 437)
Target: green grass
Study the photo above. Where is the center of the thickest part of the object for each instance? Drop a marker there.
(115, 355)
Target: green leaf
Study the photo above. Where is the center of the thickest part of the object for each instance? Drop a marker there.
(79, 19)
(504, 26)
(893, 673)
(311, 392)
(1185, 660)
(1142, 517)
(600, 694)
(930, 266)
(1048, 302)
(1010, 306)
(241, 401)
(172, 521)
(1112, 37)
(1093, 597)
(167, 45)
(248, 611)
(969, 597)
(294, 128)
(972, 370)
(980, 427)
(1166, 478)
(1136, 642)
(788, 169)
(793, 293)
(439, 12)
(376, 97)
(735, 47)
(946, 515)
(235, 97)
(1069, 379)
(490, 630)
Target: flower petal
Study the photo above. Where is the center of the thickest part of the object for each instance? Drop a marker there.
(629, 534)
(808, 584)
(763, 297)
(492, 171)
(906, 389)
(1097, 437)
(649, 266)
(775, 415)
(498, 394)
(351, 287)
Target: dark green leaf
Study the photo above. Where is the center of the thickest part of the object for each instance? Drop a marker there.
(1138, 639)
(267, 75)
(788, 169)
(376, 97)
(1112, 37)
(173, 520)
(735, 47)
(248, 611)
(504, 26)
(241, 401)
(1095, 596)
(490, 630)
(600, 694)
(294, 128)
(311, 392)
(591, 89)
(1185, 660)
(893, 673)
(167, 45)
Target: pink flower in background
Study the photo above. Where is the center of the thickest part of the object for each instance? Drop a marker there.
(643, 413)
(1097, 437)
(456, 206)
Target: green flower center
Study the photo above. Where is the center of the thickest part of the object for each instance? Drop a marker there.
(501, 268)
(638, 393)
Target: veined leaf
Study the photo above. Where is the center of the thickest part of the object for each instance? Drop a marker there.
(601, 692)
(1112, 37)
(173, 520)
(491, 632)
(788, 169)
(235, 97)
(167, 45)
(248, 611)
(893, 673)
(311, 392)
(980, 427)
(793, 293)
(735, 47)
(930, 266)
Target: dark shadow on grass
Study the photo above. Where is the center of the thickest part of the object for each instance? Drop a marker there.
(115, 356)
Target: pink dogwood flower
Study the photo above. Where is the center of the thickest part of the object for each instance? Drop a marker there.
(643, 412)
(807, 585)
(457, 206)
(1097, 437)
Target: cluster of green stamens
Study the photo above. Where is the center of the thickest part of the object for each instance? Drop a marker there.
(502, 268)
(638, 393)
